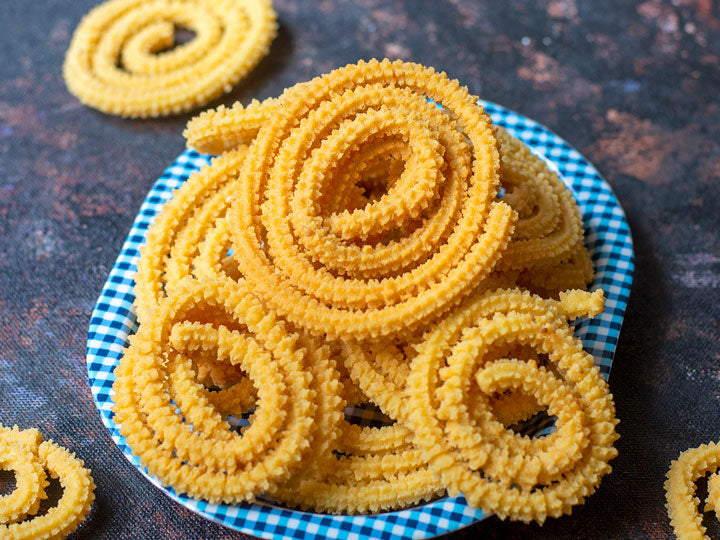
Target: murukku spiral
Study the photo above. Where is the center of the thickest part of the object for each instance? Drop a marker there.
(333, 274)
(372, 469)
(494, 468)
(118, 60)
(682, 504)
(173, 241)
(168, 420)
(29, 457)
(549, 228)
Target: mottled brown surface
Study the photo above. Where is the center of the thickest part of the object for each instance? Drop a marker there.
(633, 85)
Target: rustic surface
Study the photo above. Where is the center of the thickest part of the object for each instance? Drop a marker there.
(634, 86)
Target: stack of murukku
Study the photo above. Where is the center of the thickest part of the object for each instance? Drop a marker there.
(349, 246)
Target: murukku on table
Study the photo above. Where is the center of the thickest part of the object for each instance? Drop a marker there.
(28, 457)
(117, 61)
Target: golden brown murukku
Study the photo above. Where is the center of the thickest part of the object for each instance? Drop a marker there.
(118, 60)
(225, 128)
(28, 457)
(175, 430)
(681, 502)
(549, 280)
(549, 226)
(346, 248)
(374, 469)
(289, 253)
(712, 502)
(496, 469)
(172, 241)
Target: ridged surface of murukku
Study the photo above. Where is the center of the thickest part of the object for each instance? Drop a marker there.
(681, 501)
(29, 457)
(168, 419)
(347, 248)
(493, 467)
(373, 469)
(398, 261)
(549, 226)
(173, 240)
(118, 60)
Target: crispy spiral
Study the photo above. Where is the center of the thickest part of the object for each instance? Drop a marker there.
(366, 244)
(496, 469)
(549, 226)
(680, 490)
(115, 61)
(398, 261)
(28, 456)
(377, 469)
(195, 450)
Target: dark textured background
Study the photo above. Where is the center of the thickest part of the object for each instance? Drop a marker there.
(634, 86)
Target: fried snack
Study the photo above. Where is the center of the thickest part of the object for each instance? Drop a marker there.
(173, 427)
(494, 468)
(712, 503)
(549, 228)
(28, 456)
(346, 248)
(117, 61)
(375, 469)
(680, 489)
(172, 242)
(355, 274)
(551, 279)
(225, 128)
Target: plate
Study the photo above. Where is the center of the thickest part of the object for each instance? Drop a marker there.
(607, 236)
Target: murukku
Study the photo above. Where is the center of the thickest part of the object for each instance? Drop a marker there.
(118, 60)
(376, 469)
(225, 128)
(28, 456)
(682, 504)
(290, 253)
(549, 226)
(174, 429)
(550, 280)
(494, 468)
(172, 241)
(347, 248)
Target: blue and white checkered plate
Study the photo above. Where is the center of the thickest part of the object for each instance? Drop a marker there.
(607, 236)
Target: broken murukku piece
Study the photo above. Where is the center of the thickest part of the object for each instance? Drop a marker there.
(681, 501)
(118, 60)
(28, 457)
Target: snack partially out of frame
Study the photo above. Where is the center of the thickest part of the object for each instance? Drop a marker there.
(348, 246)
(680, 488)
(30, 459)
(118, 60)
